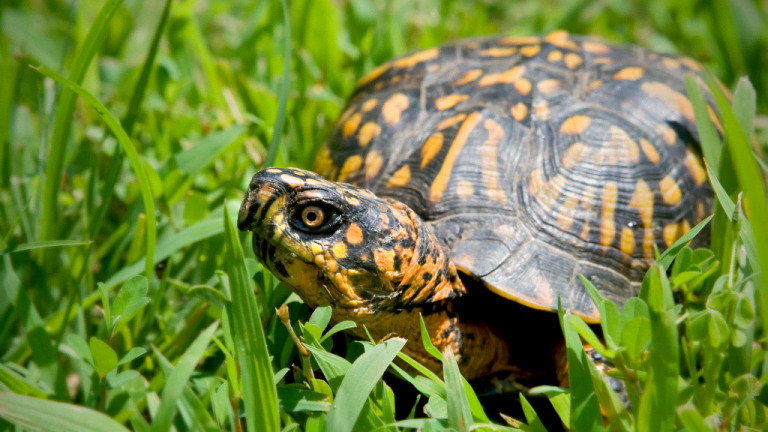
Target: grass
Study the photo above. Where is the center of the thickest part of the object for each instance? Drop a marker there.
(126, 294)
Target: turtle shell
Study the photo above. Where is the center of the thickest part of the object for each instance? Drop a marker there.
(535, 160)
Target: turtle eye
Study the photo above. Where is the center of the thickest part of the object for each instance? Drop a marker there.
(315, 218)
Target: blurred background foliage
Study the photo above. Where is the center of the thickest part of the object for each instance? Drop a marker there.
(202, 120)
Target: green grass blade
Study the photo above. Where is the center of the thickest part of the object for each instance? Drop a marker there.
(751, 182)
(665, 259)
(204, 152)
(358, 383)
(459, 411)
(18, 384)
(139, 90)
(177, 382)
(277, 131)
(42, 415)
(534, 422)
(63, 120)
(664, 357)
(43, 244)
(133, 156)
(259, 393)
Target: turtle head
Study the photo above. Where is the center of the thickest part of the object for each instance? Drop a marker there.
(339, 245)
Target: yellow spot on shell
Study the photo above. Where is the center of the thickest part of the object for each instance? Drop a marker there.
(350, 126)
(498, 52)
(352, 200)
(401, 177)
(690, 63)
(489, 160)
(468, 77)
(464, 189)
(585, 231)
(594, 85)
(573, 155)
(673, 99)
(642, 201)
(713, 117)
(354, 234)
(446, 102)
(693, 163)
(575, 125)
(650, 151)
(555, 56)
(369, 131)
(595, 48)
(565, 215)
(548, 86)
(667, 134)
(375, 73)
(523, 86)
(503, 77)
(670, 63)
(519, 111)
(369, 105)
(530, 51)
(560, 38)
(572, 61)
(373, 164)
(535, 182)
(351, 165)
(441, 179)
(607, 223)
(431, 147)
(621, 137)
(648, 241)
(602, 61)
(450, 121)
(274, 170)
(541, 108)
(519, 40)
(627, 241)
(633, 73)
(394, 107)
(417, 58)
(670, 192)
(671, 233)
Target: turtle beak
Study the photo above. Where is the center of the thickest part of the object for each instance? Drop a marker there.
(247, 208)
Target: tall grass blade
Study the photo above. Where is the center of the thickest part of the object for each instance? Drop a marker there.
(133, 156)
(43, 244)
(259, 393)
(177, 382)
(42, 415)
(277, 131)
(63, 120)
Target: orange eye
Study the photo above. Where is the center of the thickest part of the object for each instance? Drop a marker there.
(313, 216)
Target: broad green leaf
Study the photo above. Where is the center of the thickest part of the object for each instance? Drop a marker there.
(636, 336)
(134, 353)
(104, 357)
(123, 377)
(296, 399)
(459, 411)
(80, 347)
(344, 325)
(258, 387)
(589, 336)
(693, 421)
(50, 416)
(358, 383)
(321, 317)
(130, 299)
(560, 398)
(205, 151)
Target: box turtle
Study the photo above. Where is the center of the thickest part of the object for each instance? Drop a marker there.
(474, 182)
